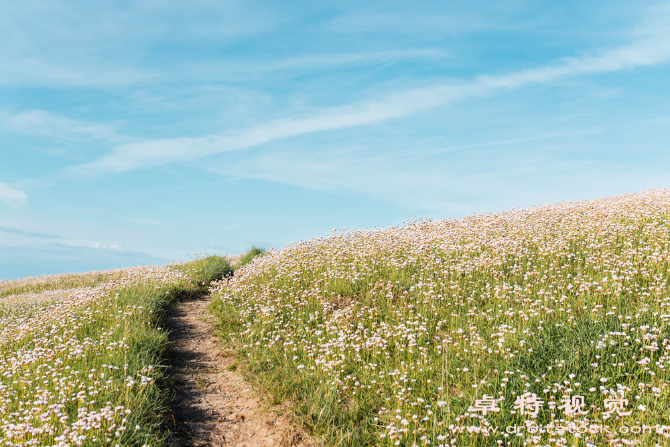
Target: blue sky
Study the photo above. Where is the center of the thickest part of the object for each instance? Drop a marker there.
(144, 132)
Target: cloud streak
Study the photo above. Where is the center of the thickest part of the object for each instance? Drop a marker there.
(315, 62)
(12, 197)
(651, 47)
(47, 124)
(159, 152)
(78, 44)
(29, 233)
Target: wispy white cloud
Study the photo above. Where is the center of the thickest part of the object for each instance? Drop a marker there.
(451, 185)
(643, 53)
(12, 197)
(40, 71)
(314, 62)
(651, 46)
(399, 178)
(80, 44)
(43, 123)
(164, 151)
(414, 20)
(108, 246)
(32, 234)
(337, 59)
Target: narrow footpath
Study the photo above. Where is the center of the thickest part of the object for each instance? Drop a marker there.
(214, 407)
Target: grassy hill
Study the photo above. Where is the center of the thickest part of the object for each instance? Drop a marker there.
(549, 321)
(542, 326)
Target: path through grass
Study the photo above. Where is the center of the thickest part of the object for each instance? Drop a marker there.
(87, 365)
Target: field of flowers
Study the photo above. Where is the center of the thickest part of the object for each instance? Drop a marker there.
(78, 356)
(542, 326)
(61, 282)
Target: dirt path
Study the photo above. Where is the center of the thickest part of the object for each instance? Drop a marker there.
(214, 407)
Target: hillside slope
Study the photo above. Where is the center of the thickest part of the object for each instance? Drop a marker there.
(448, 332)
(82, 357)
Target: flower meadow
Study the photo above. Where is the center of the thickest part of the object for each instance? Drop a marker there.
(541, 326)
(80, 365)
(40, 284)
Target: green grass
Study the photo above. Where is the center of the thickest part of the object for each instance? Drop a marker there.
(250, 255)
(389, 337)
(57, 282)
(90, 366)
(204, 271)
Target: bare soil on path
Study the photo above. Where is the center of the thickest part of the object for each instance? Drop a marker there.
(213, 405)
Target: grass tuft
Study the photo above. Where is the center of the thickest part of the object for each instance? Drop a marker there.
(204, 271)
(249, 256)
